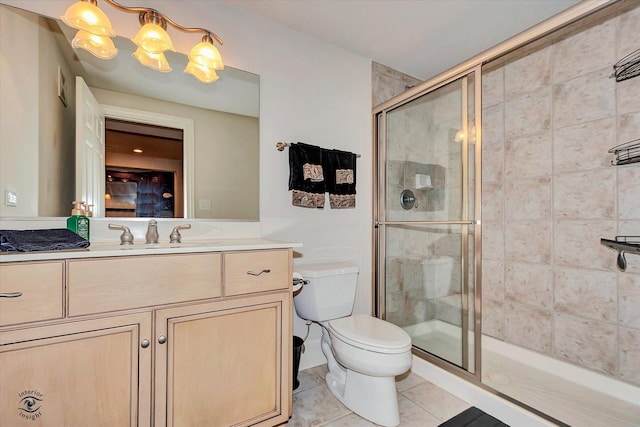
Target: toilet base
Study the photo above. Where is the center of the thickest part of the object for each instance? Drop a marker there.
(373, 398)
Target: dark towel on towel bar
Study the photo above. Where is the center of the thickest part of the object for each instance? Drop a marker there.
(306, 175)
(340, 167)
(56, 239)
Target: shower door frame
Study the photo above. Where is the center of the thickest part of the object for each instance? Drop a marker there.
(380, 222)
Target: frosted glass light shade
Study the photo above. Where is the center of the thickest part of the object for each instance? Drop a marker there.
(157, 61)
(100, 46)
(206, 55)
(88, 17)
(153, 39)
(204, 74)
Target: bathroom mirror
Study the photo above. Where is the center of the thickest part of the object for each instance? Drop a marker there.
(38, 69)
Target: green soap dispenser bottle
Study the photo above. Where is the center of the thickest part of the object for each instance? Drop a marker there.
(78, 222)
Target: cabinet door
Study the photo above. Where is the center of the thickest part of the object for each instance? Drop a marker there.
(222, 363)
(88, 373)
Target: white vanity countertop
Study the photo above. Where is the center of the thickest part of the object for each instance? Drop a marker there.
(108, 249)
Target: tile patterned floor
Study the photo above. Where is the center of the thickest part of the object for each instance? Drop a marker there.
(421, 403)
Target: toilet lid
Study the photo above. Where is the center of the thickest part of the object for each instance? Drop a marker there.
(371, 334)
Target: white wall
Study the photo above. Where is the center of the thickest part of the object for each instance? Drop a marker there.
(310, 91)
(19, 122)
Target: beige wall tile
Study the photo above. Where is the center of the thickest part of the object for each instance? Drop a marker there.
(584, 99)
(630, 355)
(493, 162)
(394, 308)
(585, 195)
(584, 52)
(492, 200)
(493, 318)
(492, 240)
(586, 342)
(628, 99)
(629, 299)
(584, 146)
(528, 156)
(628, 127)
(527, 73)
(530, 284)
(528, 327)
(586, 293)
(493, 279)
(393, 273)
(528, 199)
(492, 126)
(493, 87)
(413, 275)
(577, 244)
(628, 34)
(629, 192)
(529, 114)
(528, 241)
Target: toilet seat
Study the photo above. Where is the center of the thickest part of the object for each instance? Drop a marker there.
(371, 334)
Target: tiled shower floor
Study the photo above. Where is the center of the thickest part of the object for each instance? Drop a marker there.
(422, 404)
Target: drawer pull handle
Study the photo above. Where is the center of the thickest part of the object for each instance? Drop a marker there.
(144, 343)
(254, 273)
(162, 339)
(11, 295)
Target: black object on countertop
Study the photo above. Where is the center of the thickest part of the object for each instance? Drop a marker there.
(55, 239)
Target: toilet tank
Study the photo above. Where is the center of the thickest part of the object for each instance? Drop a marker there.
(330, 293)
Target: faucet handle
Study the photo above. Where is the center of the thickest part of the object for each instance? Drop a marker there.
(126, 238)
(175, 236)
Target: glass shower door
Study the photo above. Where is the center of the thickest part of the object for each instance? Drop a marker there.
(426, 227)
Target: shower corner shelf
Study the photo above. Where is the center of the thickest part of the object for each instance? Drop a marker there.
(623, 244)
(626, 153)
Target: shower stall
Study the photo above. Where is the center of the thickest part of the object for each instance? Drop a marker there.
(494, 187)
(427, 230)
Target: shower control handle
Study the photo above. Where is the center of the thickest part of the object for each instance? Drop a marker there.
(407, 199)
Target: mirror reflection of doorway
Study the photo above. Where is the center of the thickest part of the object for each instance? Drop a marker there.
(144, 170)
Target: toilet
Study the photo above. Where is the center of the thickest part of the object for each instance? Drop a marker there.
(364, 354)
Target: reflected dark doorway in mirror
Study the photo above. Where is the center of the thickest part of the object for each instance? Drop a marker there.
(148, 194)
(144, 170)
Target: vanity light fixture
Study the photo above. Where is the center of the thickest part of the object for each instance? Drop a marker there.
(152, 39)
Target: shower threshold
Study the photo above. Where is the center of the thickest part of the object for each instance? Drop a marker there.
(568, 393)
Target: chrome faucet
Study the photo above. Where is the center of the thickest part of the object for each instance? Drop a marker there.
(152, 232)
(175, 236)
(126, 238)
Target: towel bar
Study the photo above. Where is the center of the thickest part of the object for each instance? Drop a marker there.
(280, 146)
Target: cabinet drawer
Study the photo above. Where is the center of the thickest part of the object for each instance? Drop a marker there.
(256, 271)
(40, 286)
(109, 284)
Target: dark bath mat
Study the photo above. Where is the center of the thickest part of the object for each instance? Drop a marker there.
(473, 417)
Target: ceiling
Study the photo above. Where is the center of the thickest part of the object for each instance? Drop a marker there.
(418, 37)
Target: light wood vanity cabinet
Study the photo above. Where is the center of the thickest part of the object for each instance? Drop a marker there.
(30, 292)
(152, 341)
(83, 373)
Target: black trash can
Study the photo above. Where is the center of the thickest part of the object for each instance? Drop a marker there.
(298, 345)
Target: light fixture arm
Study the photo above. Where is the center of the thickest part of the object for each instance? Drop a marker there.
(155, 16)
